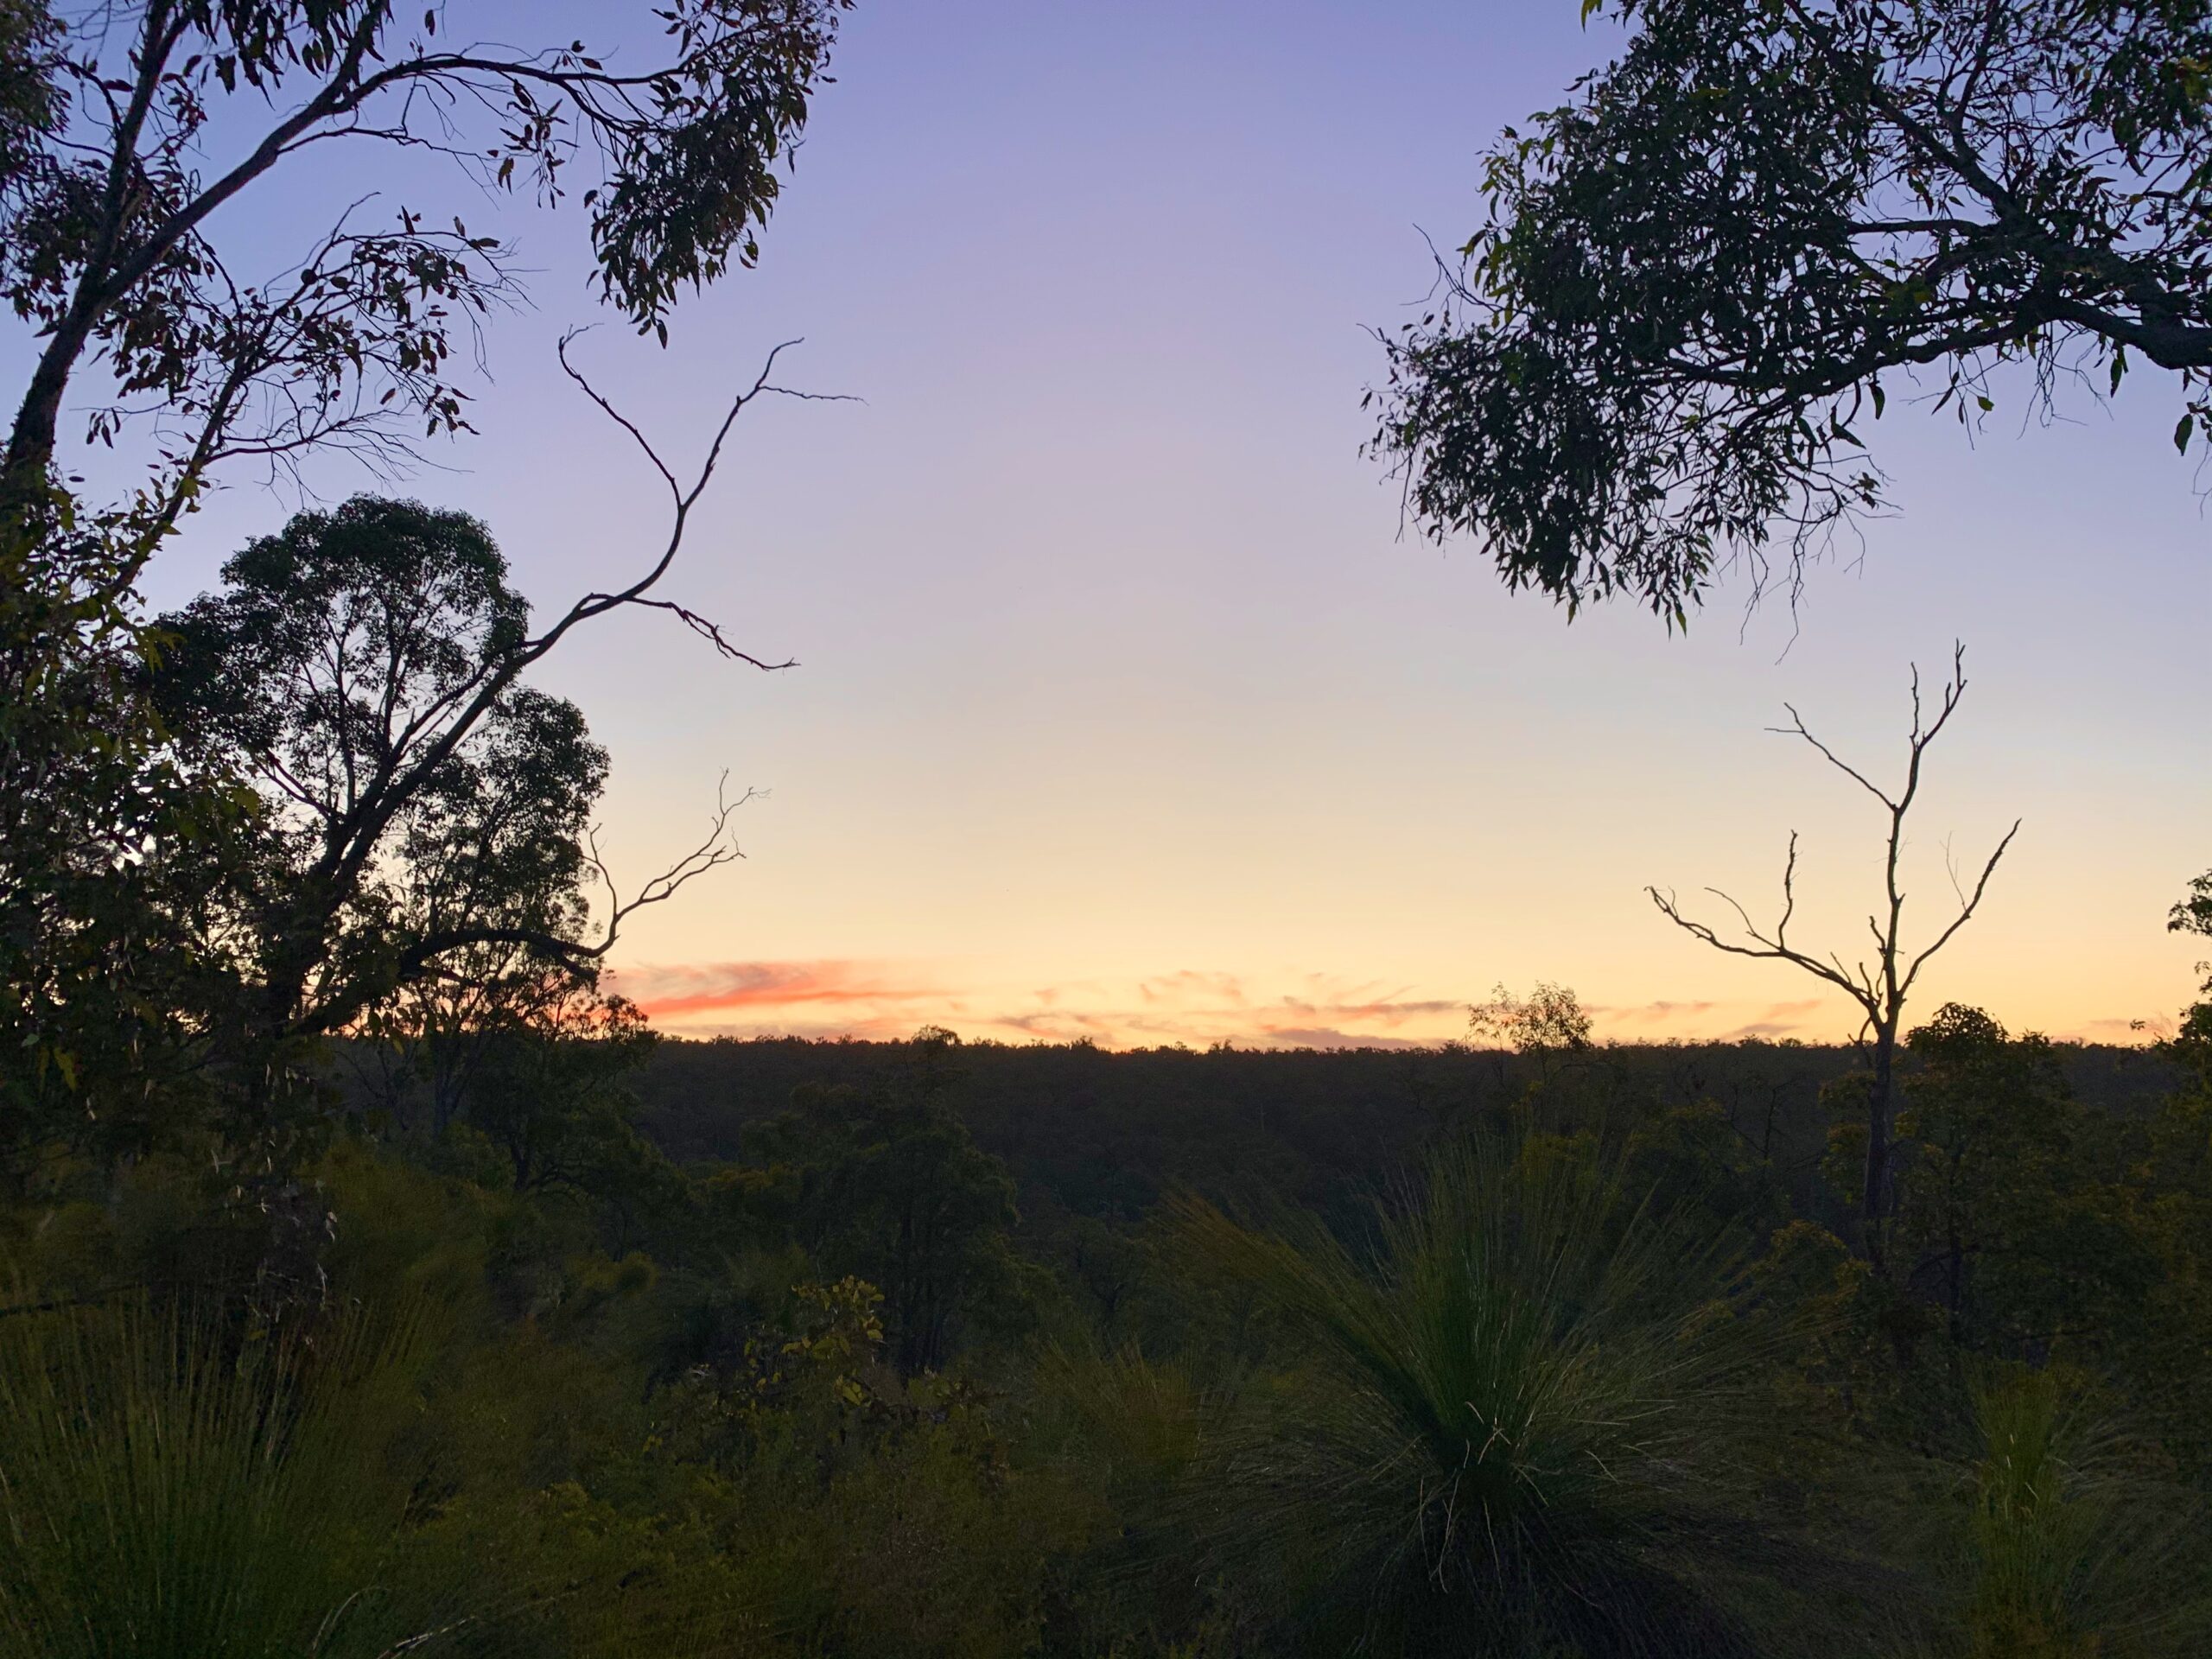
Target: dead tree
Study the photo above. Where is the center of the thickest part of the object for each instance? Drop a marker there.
(1879, 984)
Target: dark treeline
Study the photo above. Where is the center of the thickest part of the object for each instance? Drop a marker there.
(1104, 1133)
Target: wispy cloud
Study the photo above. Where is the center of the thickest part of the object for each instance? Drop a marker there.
(1187, 986)
(677, 992)
(1660, 1012)
(1190, 1006)
(2119, 1029)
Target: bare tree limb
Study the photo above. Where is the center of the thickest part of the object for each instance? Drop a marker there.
(1879, 984)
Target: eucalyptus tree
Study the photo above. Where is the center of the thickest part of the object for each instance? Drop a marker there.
(421, 822)
(1702, 277)
(125, 131)
(129, 138)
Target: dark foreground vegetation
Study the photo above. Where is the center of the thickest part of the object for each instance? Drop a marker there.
(373, 1283)
(782, 1347)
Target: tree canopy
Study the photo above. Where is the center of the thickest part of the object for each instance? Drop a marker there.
(415, 801)
(1702, 277)
(117, 152)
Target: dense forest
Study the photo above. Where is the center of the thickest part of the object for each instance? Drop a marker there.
(776, 1345)
(375, 1280)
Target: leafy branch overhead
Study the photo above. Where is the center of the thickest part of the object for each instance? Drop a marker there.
(1703, 277)
(116, 153)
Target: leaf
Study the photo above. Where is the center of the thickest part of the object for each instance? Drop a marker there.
(2181, 434)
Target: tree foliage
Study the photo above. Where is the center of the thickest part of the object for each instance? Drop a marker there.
(1702, 277)
(889, 1185)
(416, 800)
(108, 207)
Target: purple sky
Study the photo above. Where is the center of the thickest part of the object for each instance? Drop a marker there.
(1125, 710)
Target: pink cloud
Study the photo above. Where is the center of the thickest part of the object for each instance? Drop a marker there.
(1190, 1006)
(712, 987)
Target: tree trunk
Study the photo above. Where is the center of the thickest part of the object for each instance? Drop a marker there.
(1881, 1112)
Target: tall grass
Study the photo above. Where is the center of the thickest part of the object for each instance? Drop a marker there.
(166, 1490)
(2070, 1553)
(1518, 1425)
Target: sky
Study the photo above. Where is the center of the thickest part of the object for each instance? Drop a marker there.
(1126, 711)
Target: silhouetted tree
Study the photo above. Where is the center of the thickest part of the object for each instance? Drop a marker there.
(1880, 985)
(889, 1185)
(110, 221)
(116, 164)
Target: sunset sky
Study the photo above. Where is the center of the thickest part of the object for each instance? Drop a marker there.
(1124, 709)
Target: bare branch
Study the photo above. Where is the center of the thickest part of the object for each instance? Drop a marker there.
(1796, 728)
(1967, 910)
(709, 631)
(1761, 949)
(1880, 988)
(616, 415)
(577, 956)
(717, 849)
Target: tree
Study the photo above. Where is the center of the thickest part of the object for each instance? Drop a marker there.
(112, 256)
(1702, 274)
(1550, 1021)
(109, 223)
(423, 820)
(1880, 986)
(547, 1092)
(2194, 915)
(2008, 1214)
(890, 1185)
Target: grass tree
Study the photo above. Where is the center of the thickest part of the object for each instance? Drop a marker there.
(165, 1494)
(2068, 1550)
(1523, 1423)
(173, 1489)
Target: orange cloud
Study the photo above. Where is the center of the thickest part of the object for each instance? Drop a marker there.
(1182, 986)
(714, 988)
(1660, 1011)
(1188, 1006)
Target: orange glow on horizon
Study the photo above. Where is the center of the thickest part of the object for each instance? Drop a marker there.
(1190, 1007)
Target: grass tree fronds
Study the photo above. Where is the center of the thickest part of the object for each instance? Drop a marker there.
(2068, 1550)
(170, 1489)
(1522, 1421)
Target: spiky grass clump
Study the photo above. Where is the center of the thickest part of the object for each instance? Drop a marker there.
(2071, 1553)
(1518, 1428)
(166, 1490)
